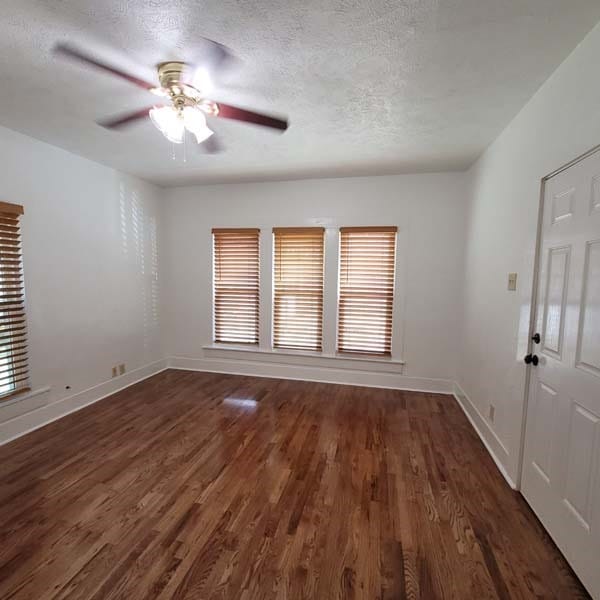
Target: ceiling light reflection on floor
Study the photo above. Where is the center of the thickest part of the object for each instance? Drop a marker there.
(246, 403)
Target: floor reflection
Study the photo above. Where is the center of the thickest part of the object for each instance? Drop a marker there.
(249, 404)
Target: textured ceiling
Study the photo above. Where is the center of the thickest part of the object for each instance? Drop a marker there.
(369, 86)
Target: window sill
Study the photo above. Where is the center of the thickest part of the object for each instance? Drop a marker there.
(19, 396)
(301, 353)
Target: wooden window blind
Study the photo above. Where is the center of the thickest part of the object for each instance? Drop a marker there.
(14, 375)
(366, 289)
(298, 288)
(236, 280)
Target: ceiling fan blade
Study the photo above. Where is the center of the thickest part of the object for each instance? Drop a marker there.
(75, 54)
(217, 54)
(211, 58)
(126, 119)
(227, 111)
(211, 145)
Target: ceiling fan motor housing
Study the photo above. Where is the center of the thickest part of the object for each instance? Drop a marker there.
(170, 73)
(182, 94)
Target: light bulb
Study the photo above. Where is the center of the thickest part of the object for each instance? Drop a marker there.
(169, 121)
(201, 80)
(195, 122)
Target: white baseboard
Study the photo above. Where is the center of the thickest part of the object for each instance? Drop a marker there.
(44, 413)
(322, 374)
(488, 436)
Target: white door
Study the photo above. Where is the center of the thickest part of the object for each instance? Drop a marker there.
(561, 465)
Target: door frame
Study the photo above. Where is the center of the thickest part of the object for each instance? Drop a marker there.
(534, 299)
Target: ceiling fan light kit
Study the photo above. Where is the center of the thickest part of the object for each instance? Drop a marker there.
(173, 122)
(187, 109)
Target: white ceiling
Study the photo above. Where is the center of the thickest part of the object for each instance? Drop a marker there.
(369, 86)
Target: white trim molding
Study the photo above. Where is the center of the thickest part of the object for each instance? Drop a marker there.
(488, 436)
(368, 372)
(349, 361)
(34, 411)
(23, 403)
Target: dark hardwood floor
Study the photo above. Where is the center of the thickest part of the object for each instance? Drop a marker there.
(197, 485)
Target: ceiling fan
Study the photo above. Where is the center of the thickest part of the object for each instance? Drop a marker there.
(184, 106)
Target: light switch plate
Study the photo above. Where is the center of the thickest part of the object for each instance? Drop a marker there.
(512, 282)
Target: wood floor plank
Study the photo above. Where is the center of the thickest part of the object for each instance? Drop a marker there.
(201, 485)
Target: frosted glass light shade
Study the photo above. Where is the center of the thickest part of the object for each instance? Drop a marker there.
(169, 122)
(173, 123)
(195, 122)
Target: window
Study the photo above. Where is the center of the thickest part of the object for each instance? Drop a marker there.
(298, 288)
(235, 273)
(366, 289)
(13, 327)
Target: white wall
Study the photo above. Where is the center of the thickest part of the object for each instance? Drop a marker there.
(428, 209)
(559, 123)
(90, 248)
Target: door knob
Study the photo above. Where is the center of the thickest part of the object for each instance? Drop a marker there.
(536, 338)
(532, 359)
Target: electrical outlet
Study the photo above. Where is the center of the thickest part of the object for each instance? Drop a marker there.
(114, 371)
(122, 369)
(492, 412)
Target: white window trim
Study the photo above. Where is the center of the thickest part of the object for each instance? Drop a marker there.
(215, 348)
